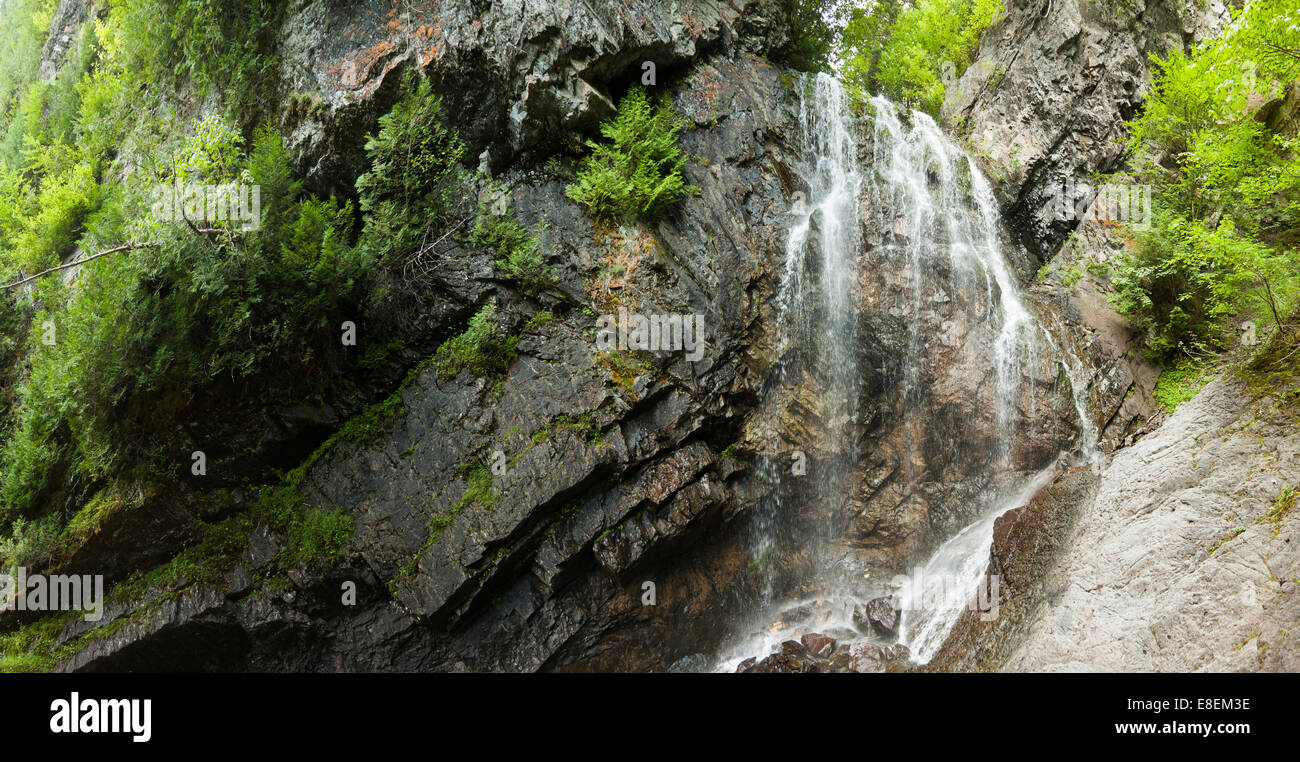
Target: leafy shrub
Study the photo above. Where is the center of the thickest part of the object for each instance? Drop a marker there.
(812, 36)
(68, 193)
(518, 252)
(142, 334)
(1181, 382)
(1225, 190)
(637, 173)
(1178, 284)
(206, 43)
(484, 349)
(212, 153)
(314, 535)
(415, 173)
(26, 23)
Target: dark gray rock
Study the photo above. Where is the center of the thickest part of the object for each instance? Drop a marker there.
(818, 644)
(880, 615)
(536, 76)
(65, 27)
(1050, 89)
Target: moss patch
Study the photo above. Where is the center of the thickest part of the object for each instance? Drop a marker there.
(1182, 382)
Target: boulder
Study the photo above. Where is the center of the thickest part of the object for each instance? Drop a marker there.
(818, 644)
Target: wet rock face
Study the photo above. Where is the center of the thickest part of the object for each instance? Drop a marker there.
(1152, 563)
(937, 437)
(1184, 560)
(1118, 379)
(1047, 97)
(614, 476)
(1027, 542)
(518, 76)
(880, 615)
(816, 653)
(615, 537)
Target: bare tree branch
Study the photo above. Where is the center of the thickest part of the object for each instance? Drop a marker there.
(114, 250)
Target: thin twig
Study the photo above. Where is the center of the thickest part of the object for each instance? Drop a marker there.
(417, 261)
(114, 250)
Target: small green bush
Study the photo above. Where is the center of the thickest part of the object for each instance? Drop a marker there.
(484, 349)
(69, 192)
(518, 252)
(314, 535)
(1180, 283)
(221, 46)
(1181, 382)
(637, 172)
(415, 174)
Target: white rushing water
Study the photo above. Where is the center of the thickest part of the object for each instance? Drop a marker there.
(922, 189)
(952, 579)
(926, 185)
(816, 313)
(941, 230)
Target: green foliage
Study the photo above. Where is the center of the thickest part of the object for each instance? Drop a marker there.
(637, 172)
(176, 320)
(543, 318)
(1181, 282)
(222, 45)
(30, 543)
(518, 252)
(1282, 505)
(44, 224)
(1226, 190)
(909, 50)
(415, 174)
(212, 153)
(31, 648)
(483, 349)
(25, 23)
(314, 536)
(374, 422)
(813, 35)
(1181, 382)
(478, 487)
(585, 427)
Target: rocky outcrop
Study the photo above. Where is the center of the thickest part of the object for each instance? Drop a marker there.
(1180, 555)
(1117, 379)
(1053, 83)
(816, 653)
(1186, 560)
(591, 510)
(65, 27)
(609, 465)
(1027, 541)
(520, 77)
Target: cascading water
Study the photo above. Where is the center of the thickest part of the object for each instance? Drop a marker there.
(923, 183)
(815, 309)
(939, 232)
(908, 165)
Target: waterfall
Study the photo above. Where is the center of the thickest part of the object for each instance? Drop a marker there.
(920, 194)
(939, 240)
(924, 192)
(816, 314)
